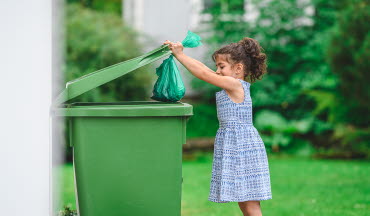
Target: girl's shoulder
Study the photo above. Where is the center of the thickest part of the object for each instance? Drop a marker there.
(243, 82)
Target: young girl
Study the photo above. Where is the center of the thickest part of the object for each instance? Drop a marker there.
(240, 170)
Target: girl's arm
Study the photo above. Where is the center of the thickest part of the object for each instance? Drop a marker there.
(195, 67)
(201, 71)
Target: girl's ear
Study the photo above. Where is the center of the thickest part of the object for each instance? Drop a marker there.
(240, 67)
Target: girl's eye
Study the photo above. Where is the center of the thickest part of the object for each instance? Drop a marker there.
(221, 67)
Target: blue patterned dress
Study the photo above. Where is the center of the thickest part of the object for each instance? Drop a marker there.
(240, 169)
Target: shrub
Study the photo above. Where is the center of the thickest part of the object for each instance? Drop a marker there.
(67, 211)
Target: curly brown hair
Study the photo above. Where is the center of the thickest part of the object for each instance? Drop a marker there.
(248, 52)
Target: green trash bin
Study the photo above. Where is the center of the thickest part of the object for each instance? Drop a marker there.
(127, 156)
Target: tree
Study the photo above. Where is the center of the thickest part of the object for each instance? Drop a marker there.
(112, 6)
(349, 55)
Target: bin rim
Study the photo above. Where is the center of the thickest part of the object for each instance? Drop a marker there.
(123, 109)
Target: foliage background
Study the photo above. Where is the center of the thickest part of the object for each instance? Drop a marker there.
(314, 99)
(315, 95)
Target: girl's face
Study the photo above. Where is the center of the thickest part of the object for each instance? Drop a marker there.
(224, 67)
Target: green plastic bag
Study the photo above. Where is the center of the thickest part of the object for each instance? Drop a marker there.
(169, 86)
(191, 40)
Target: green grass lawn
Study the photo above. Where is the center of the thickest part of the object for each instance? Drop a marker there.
(300, 187)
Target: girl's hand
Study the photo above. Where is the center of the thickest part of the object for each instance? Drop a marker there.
(176, 48)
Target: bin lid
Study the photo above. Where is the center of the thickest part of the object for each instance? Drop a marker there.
(92, 80)
(129, 108)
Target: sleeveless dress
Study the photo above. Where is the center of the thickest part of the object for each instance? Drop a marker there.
(240, 169)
